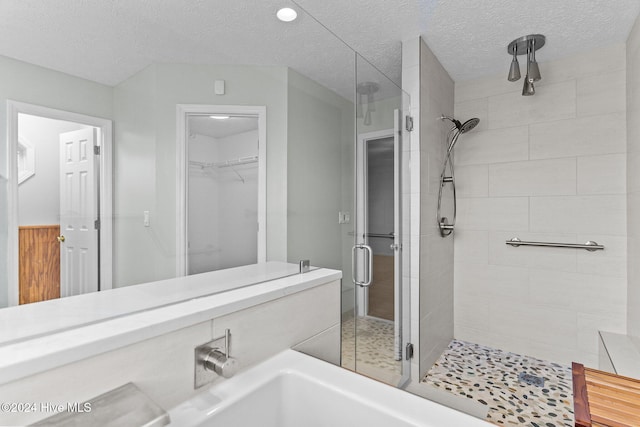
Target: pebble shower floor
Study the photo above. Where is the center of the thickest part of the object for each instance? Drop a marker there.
(490, 376)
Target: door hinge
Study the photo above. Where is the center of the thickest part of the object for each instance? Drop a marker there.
(408, 124)
(408, 352)
(96, 150)
(96, 224)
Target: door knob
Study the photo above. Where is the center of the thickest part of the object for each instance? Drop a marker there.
(61, 239)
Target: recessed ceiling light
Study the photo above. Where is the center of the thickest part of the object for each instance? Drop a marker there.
(219, 117)
(286, 14)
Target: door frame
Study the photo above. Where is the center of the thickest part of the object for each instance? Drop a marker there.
(105, 197)
(183, 111)
(362, 219)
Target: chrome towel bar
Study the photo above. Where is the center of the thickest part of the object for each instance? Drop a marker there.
(589, 246)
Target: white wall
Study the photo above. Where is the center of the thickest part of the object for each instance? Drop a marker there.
(238, 201)
(316, 124)
(633, 179)
(145, 109)
(39, 196)
(24, 82)
(204, 244)
(550, 167)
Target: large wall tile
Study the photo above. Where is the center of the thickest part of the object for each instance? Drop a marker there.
(484, 87)
(602, 174)
(264, 330)
(581, 214)
(557, 171)
(553, 326)
(472, 181)
(612, 261)
(493, 146)
(533, 178)
(578, 137)
(532, 256)
(471, 247)
(478, 108)
(589, 325)
(556, 102)
(593, 62)
(492, 281)
(435, 257)
(584, 293)
(499, 213)
(601, 94)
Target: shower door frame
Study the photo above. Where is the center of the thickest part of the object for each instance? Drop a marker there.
(401, 292)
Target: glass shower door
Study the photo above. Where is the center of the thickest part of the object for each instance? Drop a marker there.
(380, 331)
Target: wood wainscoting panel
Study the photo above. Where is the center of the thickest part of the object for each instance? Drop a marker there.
(39, 263)
(381, 296)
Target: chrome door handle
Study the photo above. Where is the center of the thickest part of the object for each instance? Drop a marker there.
(369, 276)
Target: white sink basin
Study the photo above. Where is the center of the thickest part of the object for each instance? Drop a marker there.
(295, 390)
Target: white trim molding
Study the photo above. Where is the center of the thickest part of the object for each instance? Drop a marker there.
(105, 138)
(183, 111)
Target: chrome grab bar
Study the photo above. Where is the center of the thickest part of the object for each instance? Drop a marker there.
(369, 276)
(589, 246)
(391, 235)
(384, 236)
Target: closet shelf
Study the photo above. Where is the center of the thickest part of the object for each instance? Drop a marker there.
(226, 163)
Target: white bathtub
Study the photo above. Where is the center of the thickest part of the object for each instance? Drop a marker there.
(293, 389)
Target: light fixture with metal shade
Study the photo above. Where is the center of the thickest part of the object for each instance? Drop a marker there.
(514, 70)
(534, 71)
(366, 89)
(526, 45)
(527, 88)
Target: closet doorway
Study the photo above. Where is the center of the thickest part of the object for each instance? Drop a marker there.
(224, 187)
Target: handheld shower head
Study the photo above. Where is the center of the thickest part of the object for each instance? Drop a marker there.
(460, 128)
(469, 124)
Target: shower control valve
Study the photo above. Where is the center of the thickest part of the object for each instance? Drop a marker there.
(214, 359)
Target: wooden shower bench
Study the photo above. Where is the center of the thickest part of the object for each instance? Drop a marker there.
(601, 399)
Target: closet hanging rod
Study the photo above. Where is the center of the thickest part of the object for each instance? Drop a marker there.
(226, 163)
(589, 246)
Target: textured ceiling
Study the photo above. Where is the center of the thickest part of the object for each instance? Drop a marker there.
(108, 41)
(470, 37)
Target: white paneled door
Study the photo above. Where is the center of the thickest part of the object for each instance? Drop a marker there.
(78, 213)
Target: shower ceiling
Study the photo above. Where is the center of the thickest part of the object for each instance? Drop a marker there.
(122, 37)
(468, 36)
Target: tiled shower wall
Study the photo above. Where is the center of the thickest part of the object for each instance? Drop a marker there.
(551, 167)
(633, 179)
(431, 90)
